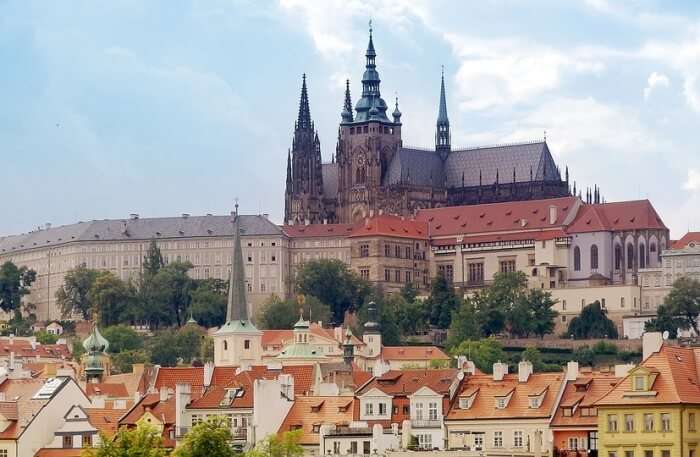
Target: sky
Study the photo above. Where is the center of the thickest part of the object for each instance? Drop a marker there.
(173, 106)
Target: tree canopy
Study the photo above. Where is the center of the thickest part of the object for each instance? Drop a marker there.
(14, 284)
(142, 441)
(592, 323)
(275, 445)
(283, 314)
(484, 353)
(210, 438)
(442, 302)
(74, 296)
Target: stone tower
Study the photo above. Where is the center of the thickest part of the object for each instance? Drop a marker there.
(237, 342)
(366, 144)
(303, 202)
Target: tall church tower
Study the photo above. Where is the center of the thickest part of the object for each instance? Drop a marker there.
(303, 202)
(442, 131)
(366, 144)
(237, 342)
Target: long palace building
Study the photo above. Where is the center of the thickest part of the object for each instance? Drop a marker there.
(372, 171)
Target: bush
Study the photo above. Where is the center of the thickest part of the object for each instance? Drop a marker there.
(44, 337)
(603, 347)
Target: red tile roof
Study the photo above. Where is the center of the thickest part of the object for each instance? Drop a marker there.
(317, 230)
(583, 392)
(627, 215)
(496, 217)
(406, 382)
(106, 389)
(279, 338)
(675, 380)
(308, 412)
(413, 353)
(170, 376)
(106, 420)
(392, 226)
(58, 452)
(690, 237)
(518, 406)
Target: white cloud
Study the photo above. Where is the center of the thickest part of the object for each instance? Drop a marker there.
(693, 181)
(655, 80)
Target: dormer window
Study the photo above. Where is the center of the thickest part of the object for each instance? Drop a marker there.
(463, 403)
(567, 412)
(640, 382)
(501, 402)
(534, 402)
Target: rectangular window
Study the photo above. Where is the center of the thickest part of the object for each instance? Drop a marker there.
(87, 440)
(648, 453)
(397, 276)
(364, 250)
(507, 266)
(665, 423)
(691, 422)
(665, 453)
(476, 273)
(498, 439)
(629, 453)
(364, 274)
(366, 447)
(369, 409)
(336, 447)
(612, 423)
(387, 275)
(67, 441)
(447, 271)
(382, 409)
(353, 447)
(573, 444)
(419, 411)
(425, 441)
(593, 440)
(629, 423)
(397, 252)
(612, 454)
(387, 250)
(408, 276)
(463, 403)
(246, 344)
(518, 438)
(648, 422)
(408, 252)
(432, 411)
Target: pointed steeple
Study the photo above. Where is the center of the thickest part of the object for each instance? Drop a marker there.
(397, 113)
(442, 132)
(346, 114)
(237, 306)
(289, 171)
(304, 120)
(371, 106)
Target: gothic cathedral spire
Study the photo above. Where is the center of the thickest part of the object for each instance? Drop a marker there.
(346, 114)
(304, 120)
(237, 306)
(442, 132)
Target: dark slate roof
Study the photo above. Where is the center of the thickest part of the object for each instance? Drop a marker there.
(139, 229)
(420, 167)
(506, 158)
(329, 172)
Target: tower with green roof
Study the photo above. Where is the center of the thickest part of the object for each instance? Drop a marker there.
(237, 342)
(95, 362)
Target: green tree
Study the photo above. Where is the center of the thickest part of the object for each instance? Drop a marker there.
(74, 295)
(153, 260)
(283, 314)
(502, 305)
(534, 356)
(206, 351)
(411, 316)
(409, 292)
(584, 355)
(332, 282)
(274, 445)
(210, 438)
(592, 323)
(664, 321)
(464, 325)
(122, 338)
(484, 353)
(209, 298)
(442, 302)
(112, 298)
(124, 361)
(44, 337)
(683, 301)
(542, 314)
(164, 349)
(189, 342)
(14, 284)
(172, 285)
(142, 441)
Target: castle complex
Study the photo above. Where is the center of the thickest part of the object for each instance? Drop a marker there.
(372, 172)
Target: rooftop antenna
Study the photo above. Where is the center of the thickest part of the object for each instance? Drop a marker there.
(545, 135)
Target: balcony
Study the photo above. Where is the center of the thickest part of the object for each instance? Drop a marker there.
(239, 433)
(426, 423)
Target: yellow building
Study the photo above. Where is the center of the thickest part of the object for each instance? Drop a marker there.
(654, 411)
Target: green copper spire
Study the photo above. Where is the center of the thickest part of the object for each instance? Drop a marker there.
(237, 309)
(442, 133)
(371, 107)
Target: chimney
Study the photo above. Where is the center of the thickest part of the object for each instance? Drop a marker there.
(208, 373)
(571, 371)
(138, 368)
(371, 213)
(499, 371)
(133, 216)
(163, 393)
(651, 343)
(12, 360)
(552, 214)
(523, 222)
(183, 394)
(11, 338)
(185, 215)
(524, 370)
(621, 370)
(286, 386)
(338, 333)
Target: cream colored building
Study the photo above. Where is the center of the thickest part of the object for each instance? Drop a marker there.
(317, 241)
(119, 246)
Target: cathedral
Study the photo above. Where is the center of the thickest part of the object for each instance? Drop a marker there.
(372, 172)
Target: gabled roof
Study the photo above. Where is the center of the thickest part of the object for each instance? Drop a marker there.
(170, 376)
(413, 353)
(278, 338)
(627, 215)
(688, 238)
(497, 217)
(308, 412)
(676, 380)
(163, 410)
(406, 382)
(595, 385)
(106, 389)
(391, 226)
(518, 405)
(106, 420)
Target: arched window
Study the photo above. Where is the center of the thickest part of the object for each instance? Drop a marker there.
(577, 259)
(630, 256)
(618, 256)
(360, 175)
(594, 257)
(642, 257)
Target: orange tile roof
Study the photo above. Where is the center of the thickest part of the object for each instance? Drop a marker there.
(594, 386)
(170, 376)
(495, 217)
(308, 412)
(484, 404)
(24, 349)
(690, 237)
(317, 230)
(413, 353)
(58, 452)
(392, 226)
(406, 382)
(215, 394)
(106, 389)
(163, 410)
(627, 215)
(676, 380)
(279, 338)
(106, 420)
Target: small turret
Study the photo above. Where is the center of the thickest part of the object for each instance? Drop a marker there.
(346, 114)
(372, 336)
(397, 114)
(348, 348)
(95, 361)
